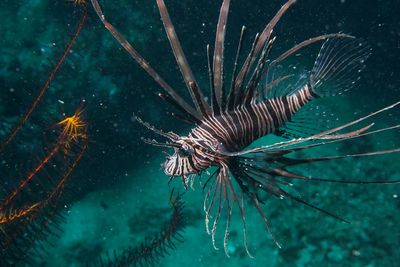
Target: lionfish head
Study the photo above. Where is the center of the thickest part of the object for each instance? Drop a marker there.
(181, 162)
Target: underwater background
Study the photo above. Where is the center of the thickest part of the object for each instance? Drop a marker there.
(117, 196)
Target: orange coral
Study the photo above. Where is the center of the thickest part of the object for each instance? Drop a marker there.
(74, 127)
(46, 85)
(10, 216)
(30, 203)
(17, 214)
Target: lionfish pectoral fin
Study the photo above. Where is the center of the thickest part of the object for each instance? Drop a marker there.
(270, 165)
(327, 137)
(222, 196)
(268, 170)
(184, 180)
(302, 201)
(250, 186)
(271, 185)
(291, 175)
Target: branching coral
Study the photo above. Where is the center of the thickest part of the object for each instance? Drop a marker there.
(29, 202)
(27, 215)
(47, 83)
(155, 247)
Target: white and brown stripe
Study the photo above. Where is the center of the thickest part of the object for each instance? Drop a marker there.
(240, 127)
(234, 130)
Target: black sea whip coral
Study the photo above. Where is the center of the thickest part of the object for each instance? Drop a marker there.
(30, 205)
(154, 247)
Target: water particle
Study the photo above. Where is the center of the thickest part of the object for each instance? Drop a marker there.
(356, 253)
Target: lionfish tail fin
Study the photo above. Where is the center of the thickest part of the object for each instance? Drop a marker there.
(338, 66)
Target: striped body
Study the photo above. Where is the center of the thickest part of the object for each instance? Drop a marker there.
(231, 131)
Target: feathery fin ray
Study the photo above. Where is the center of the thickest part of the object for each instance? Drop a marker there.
(338, 66)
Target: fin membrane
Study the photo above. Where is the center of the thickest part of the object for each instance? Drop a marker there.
(338, 66)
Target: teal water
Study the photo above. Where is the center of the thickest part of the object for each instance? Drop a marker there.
(118, 195)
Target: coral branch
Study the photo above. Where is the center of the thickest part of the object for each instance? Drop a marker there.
(150, 252)
(46, 85)
(11, 215)
(30, 176)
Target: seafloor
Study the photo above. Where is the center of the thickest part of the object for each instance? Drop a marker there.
(118, 194)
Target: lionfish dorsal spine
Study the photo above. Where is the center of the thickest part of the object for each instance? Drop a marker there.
(144, 64)
(264, 37)
(218, 59)
(193, 88)
(238, 87)
(214, 102)
(231, 96)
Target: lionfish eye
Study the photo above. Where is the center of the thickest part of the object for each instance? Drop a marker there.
(185, 151)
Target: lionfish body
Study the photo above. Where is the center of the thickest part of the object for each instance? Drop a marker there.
(223, 128)
(232, 131)
(237, 129)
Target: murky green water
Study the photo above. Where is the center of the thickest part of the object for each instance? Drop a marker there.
(118, 195)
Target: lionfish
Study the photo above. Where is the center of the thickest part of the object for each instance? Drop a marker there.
(224, 127)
